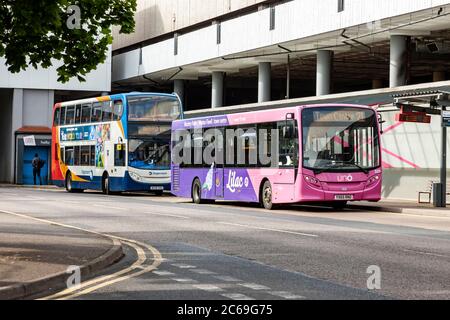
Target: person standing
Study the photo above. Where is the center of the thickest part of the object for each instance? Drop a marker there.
(37, 165)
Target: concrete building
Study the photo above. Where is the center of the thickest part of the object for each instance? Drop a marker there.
(26, 102)
(223, 53)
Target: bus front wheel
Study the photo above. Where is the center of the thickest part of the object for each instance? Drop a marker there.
(69, 184)
(266, 196)
(197, 192)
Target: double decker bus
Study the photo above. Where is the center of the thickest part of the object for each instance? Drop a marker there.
(328, 154)
(114, 143)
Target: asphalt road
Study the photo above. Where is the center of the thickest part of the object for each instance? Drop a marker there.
(235, 251)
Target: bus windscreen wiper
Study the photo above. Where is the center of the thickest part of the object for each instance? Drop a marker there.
(359, 167)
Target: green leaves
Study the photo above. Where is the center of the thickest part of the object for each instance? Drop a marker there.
(35, 32)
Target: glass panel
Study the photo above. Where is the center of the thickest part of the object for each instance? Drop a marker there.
(119, 155)
(70, 115)
(107, 111)
(85, 155)
(78, 114)
(155, 108)
(63, 116)
(76, 157)
(96, 112)
(56, 117)
(86, 113)
(92, 159)
(68, 158)
(117, 110)
(149, 153)
(340, 139)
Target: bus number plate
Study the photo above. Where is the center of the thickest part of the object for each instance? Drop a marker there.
(156, 188)
(343, 197)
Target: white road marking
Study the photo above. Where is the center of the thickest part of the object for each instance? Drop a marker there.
(168, 215)
(287, 295)
(236, 296)
(426, 253)
(254, 286)
(227, 278)
(164, 273)
(110, 207)
(208, 287)
(269, 229)
(184, 280)
(183, 266)
(203, 271)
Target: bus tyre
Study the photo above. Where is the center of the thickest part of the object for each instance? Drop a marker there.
(69, 184)
(266, 196)
(339, 205)
(197, 192)
(105, 185)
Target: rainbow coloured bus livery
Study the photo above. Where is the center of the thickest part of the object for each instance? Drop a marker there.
(327, 154)
(114, 143)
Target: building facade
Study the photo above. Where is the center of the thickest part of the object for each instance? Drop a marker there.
(217, 54)
(26, 103)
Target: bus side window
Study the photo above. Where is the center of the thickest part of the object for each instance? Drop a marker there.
(92, 158)
(68, 156)
(107, 111)
(57, 117)
(117, 110)
(62, 121)
(96, 112)
(119, 155)
(76, 156)
(62, 153)
(86, 113)
(70, 115)
(78, 114)
(85, 155)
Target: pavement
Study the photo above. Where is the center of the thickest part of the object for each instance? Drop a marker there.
(239, 251)
(35, 255)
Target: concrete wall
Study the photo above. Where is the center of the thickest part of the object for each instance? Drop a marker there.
(295, 20)
(5, 134)
(37, 108)
(157, 17)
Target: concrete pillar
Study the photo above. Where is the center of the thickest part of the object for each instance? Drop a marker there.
(377, 84)
(438, 76)
(178, 88)
(217, 89)
(16, 124)
(323, 77)
(398, 61)
(264, 81)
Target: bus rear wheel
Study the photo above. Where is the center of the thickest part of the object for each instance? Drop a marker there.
(266, 196)
(105, 185)
(197, 192)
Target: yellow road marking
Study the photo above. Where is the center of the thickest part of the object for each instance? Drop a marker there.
(108, 279)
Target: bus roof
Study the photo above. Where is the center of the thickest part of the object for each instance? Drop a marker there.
(261, 115)
(113, 97)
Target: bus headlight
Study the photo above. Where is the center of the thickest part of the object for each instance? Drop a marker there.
(313, 181)
(135, 176)
(373, 180)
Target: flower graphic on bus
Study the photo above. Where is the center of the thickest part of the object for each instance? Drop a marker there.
(209, 179)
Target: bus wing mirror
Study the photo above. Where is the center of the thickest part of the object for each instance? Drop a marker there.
(288, 132)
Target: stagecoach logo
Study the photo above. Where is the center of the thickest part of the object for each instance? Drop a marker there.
(345, 178)
(236, 182)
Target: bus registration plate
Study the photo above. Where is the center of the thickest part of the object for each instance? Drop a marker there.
(343, 197)
(156, 188)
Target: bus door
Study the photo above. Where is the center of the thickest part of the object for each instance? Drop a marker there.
(219, 174)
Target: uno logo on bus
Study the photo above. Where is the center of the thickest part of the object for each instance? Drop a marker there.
(236, 182)
(348, 178)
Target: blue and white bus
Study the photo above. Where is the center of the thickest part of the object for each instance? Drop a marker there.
(114, 143)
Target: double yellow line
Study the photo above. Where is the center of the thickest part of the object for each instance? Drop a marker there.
(135, 270)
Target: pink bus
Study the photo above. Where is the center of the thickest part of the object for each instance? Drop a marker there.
(321, 154)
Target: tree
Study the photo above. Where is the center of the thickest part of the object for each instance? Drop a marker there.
(77, 33)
